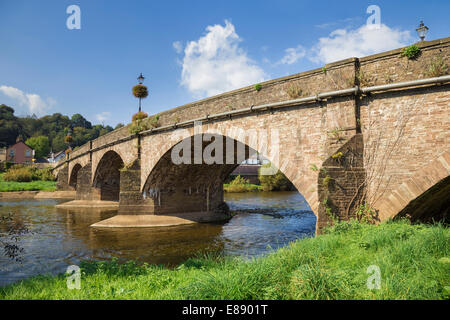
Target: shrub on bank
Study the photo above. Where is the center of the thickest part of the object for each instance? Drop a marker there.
(240, 184)
(20, 173)
(275, 182)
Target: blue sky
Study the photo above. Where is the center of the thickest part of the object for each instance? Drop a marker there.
(187, 50)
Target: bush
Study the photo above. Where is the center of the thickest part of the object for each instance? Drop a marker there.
(20, 173)
(275, 182)
(240, 184)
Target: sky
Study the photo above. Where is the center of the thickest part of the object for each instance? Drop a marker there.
(186, 50)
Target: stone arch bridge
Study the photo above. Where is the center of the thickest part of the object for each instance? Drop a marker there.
(373, 129)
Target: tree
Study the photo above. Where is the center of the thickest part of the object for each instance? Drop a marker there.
(55, 127)
(79, 121)
(10, 126)
(41, 146)
(119, 125)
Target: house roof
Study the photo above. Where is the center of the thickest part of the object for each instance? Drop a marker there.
(19, 143)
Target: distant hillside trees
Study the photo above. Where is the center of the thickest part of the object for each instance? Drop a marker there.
(55, 127)
(10, 126)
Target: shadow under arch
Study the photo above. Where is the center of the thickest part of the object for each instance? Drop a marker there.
(424, 197)
(193, 186)
(74, 176)
(106, 182)
(432, 205)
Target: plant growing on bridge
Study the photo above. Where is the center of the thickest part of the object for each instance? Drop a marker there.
(153, 121)
(326, 181)
(437, 67)
(258, 87)
(142, 122)
(363, 79)
(412, 52)
(294, 91)
(365, 213)
(337, 155)
(335, 134)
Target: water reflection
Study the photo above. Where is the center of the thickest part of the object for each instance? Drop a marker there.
(61, 237)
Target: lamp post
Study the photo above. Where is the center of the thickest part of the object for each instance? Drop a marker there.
(422, 31)
(140, 80)
(140, 91)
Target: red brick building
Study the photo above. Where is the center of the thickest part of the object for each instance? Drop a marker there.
(20, 153)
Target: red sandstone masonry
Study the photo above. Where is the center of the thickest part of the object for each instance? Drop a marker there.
(305, 130)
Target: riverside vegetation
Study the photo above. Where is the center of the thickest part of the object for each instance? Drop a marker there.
(27, 178)
(414, 261)
(275, 182)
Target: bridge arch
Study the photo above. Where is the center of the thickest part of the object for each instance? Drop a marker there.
(106, 180)
(171, 188)
(73, 178)
(425, 196)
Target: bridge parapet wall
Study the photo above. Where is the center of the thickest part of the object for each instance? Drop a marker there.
(335, 76)
(110, 137)
(393, 66)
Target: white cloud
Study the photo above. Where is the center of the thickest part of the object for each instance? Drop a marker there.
(32, 101)
(103, 116)
(292, 55)
(366, 40)
(215, 63)
(177, 46)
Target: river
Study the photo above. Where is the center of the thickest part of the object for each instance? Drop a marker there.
(263, 221)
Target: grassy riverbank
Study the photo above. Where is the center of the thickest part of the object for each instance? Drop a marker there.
(413, 261)
(7, 186)
(244, 187)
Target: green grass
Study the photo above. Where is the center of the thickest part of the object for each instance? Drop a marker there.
(6, 186)
(245, 187)
(413, 259)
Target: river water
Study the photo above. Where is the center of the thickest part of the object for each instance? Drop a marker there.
(263, 221)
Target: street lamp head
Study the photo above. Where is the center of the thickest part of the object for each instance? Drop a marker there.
(422, 31)
(141, 78)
